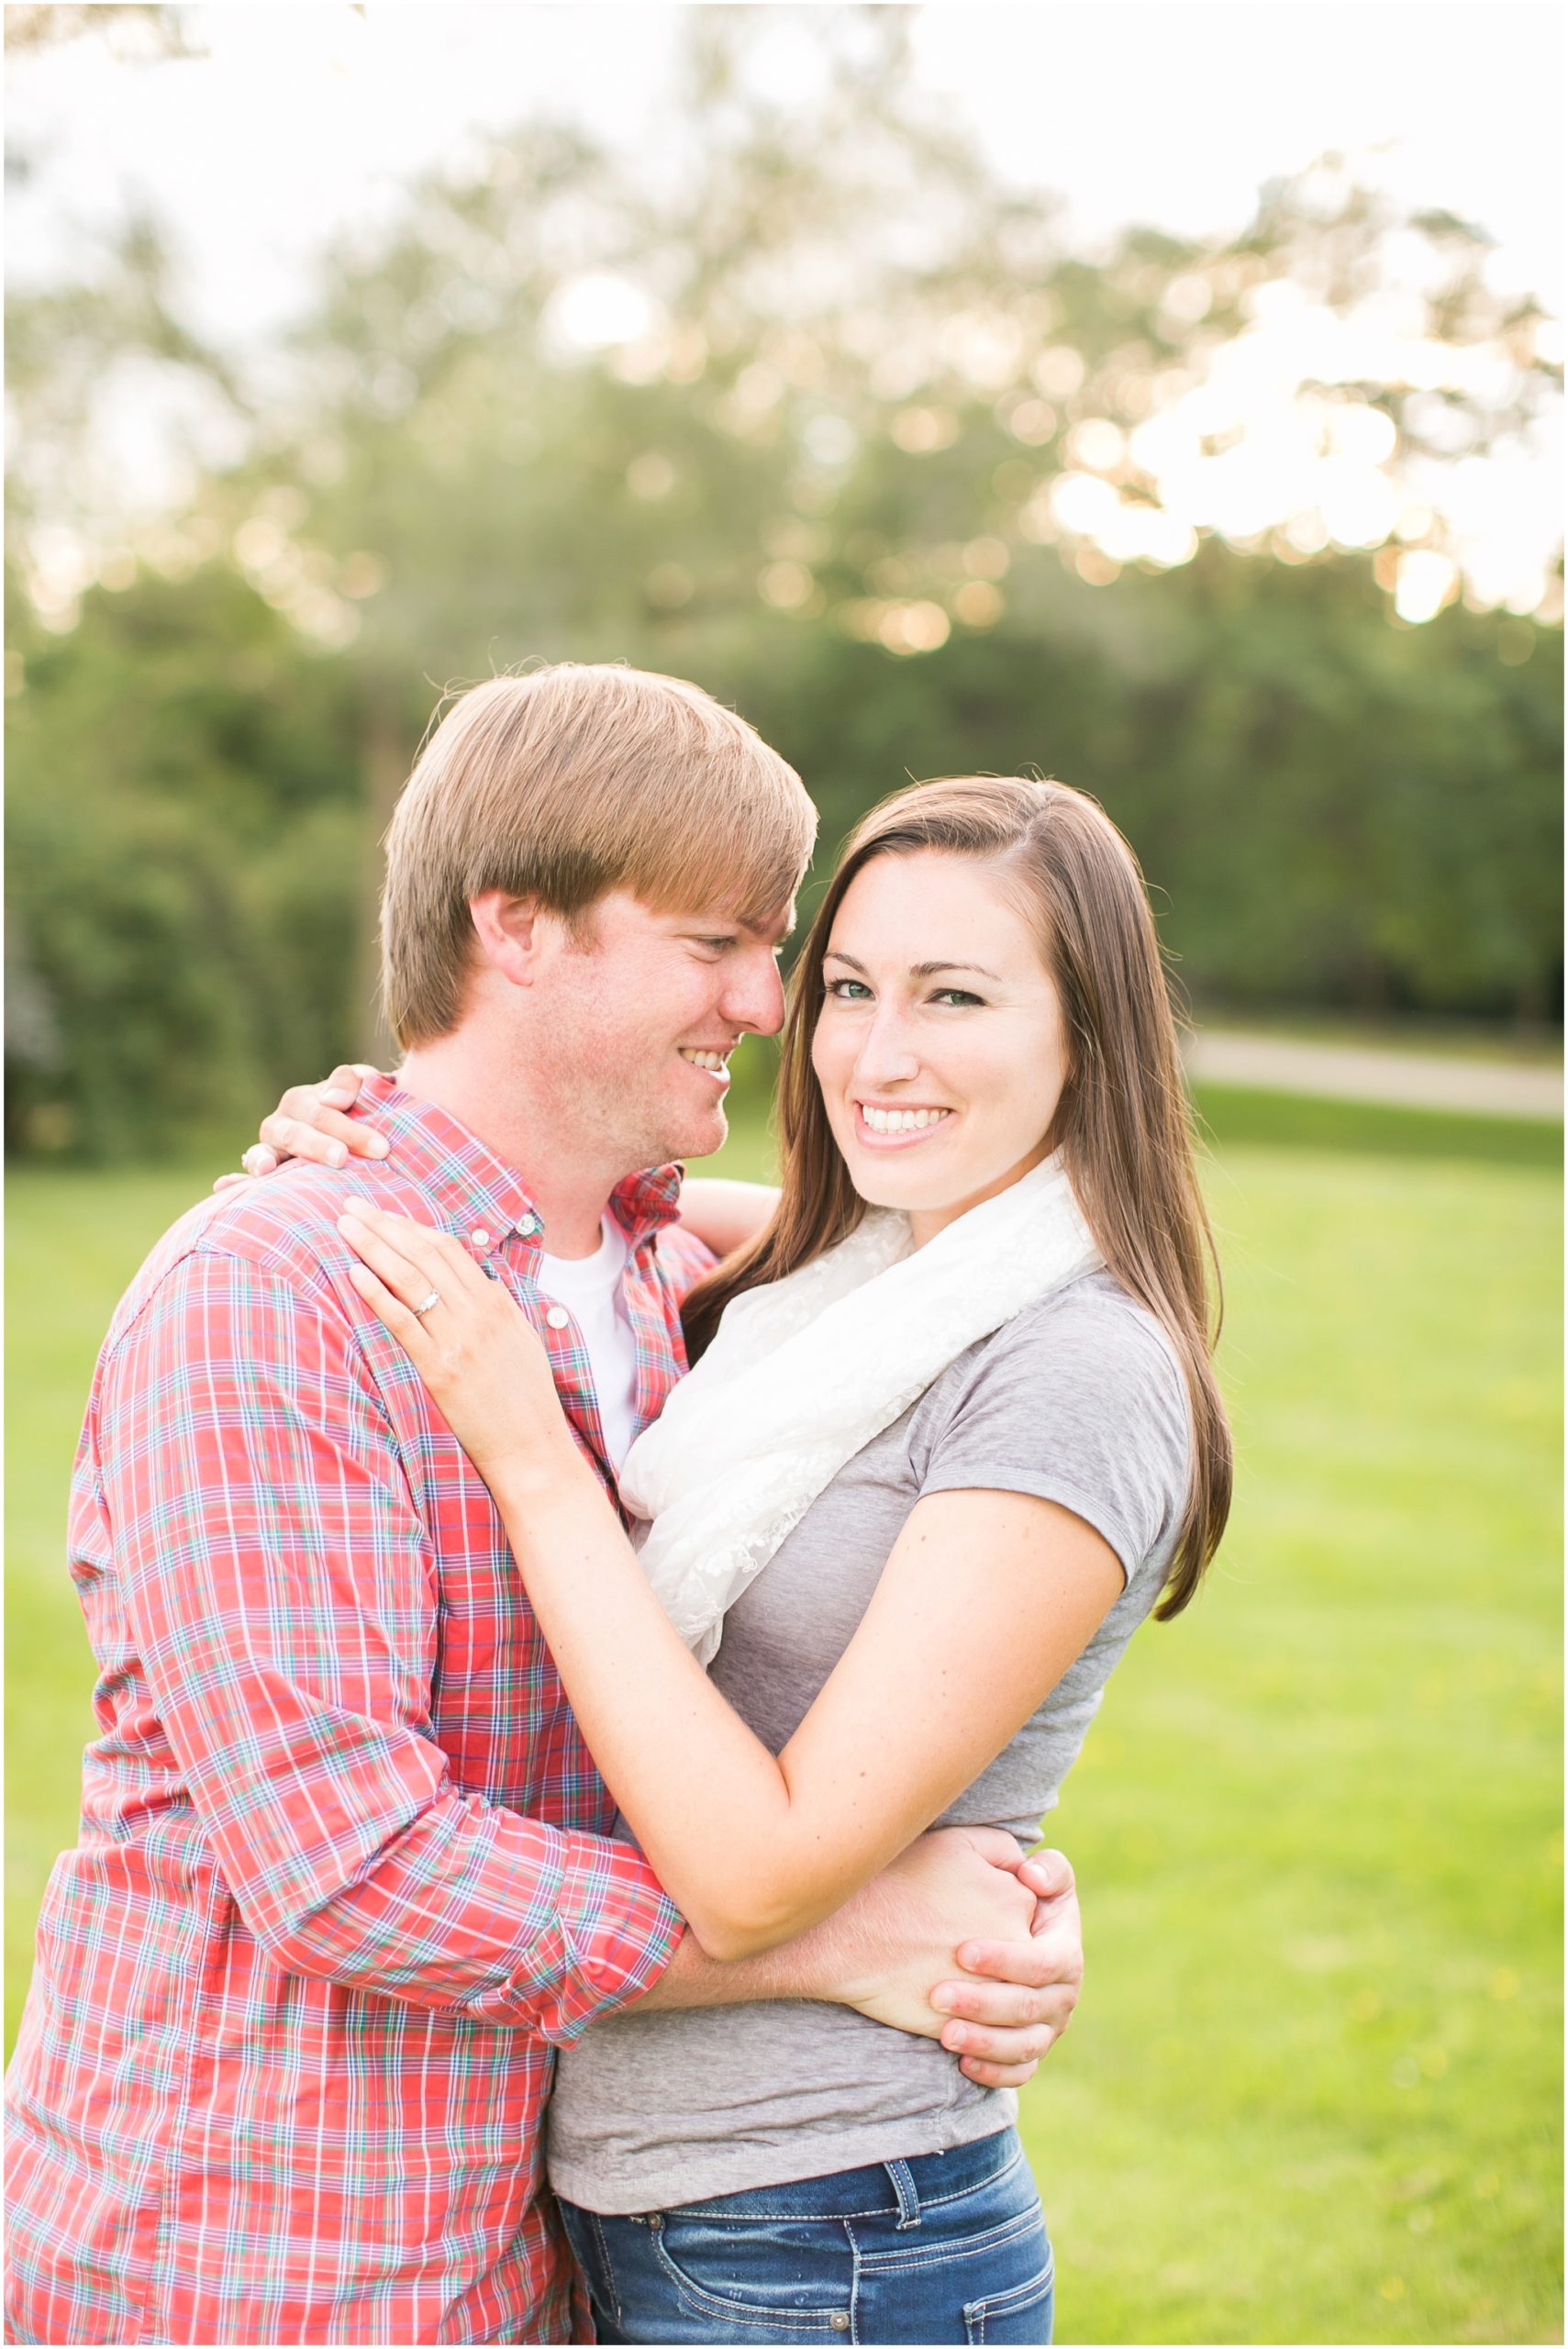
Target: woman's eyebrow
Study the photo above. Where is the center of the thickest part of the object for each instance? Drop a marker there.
(929, 970)
(917, 970)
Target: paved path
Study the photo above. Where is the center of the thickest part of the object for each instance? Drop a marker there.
(1365, 1073)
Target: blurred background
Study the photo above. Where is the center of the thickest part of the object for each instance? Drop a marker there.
(1164, 398)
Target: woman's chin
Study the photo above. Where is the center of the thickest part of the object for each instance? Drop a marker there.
(902, 1183)
(918, 1174)
(882, 1185)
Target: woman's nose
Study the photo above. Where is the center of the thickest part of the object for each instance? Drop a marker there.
(885, 1054)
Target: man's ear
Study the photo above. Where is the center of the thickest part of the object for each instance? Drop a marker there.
(515, 934)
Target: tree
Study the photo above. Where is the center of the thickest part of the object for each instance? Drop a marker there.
(182, 823)
(833, 425)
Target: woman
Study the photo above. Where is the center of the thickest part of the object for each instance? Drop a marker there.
(951, 1433)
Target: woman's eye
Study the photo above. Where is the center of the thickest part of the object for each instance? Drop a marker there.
(956, 994)
(843, 990)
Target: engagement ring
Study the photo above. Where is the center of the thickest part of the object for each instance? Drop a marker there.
(434, 1298)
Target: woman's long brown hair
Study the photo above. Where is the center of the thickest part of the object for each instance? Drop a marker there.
(1123, 1123)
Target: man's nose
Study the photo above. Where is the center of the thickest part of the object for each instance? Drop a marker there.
(754, 1000)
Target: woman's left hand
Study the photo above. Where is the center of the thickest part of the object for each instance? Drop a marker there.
(309, 1122)
(473, 1346)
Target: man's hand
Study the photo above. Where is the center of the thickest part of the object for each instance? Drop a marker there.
(1020, 1976)
(1025, 2002)
(892, 1951)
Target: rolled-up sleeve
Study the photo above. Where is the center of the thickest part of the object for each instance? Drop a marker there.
(282, 1587)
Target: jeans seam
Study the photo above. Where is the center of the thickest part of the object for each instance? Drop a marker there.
(1016, 2296)
(761, 2218)
(929, 2254)
(819, 2218)
(855, 2274)
(607, 2265)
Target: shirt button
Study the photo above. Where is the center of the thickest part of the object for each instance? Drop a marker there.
(526, 1226)
(558, 1317)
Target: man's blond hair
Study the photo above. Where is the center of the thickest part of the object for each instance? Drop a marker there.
(565, 783)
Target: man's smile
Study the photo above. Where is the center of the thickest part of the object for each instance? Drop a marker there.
(712, 1063)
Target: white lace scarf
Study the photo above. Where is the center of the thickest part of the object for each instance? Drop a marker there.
(804, 1371)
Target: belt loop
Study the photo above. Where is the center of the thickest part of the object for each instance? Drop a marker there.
(904, 2187)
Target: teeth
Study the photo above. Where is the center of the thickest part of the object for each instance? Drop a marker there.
(711, 1060)
(901, 1121)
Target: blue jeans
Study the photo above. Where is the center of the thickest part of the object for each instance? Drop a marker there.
(940, 2247)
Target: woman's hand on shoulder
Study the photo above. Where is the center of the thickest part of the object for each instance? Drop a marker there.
(473, 1345)
(310, 1122)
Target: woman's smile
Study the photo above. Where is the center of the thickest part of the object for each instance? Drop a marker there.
(898, 1125)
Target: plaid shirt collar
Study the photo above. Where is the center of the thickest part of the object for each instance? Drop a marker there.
(470, 1186)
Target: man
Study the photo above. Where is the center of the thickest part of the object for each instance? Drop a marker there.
(345, 1876)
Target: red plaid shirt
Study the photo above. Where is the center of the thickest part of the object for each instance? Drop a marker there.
(344, 1876)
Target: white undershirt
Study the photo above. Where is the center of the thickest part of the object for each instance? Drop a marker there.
(593, 1291)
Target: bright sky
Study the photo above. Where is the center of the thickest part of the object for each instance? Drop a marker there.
(304, 119)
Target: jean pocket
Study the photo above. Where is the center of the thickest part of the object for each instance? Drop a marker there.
(1022, 2313)
(771, 2278)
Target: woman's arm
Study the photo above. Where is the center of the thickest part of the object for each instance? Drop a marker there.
(310, 1122)
(945, 1667)
(942, 1673)
(725, 1215)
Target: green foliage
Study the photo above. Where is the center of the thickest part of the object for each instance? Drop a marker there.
(864, 369)
(183, 825)
(1330, 810)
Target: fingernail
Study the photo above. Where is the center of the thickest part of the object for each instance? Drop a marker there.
(955, 2037)
(337, 1154)
(378, 1146)
(335, 1100)
(943, 2002)
(357, 1199)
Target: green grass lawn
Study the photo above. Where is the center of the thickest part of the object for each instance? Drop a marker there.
(1313, 2094)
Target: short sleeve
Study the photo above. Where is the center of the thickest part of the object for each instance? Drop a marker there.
(1079, 1401)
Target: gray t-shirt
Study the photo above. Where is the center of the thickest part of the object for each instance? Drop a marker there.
(1079, 1400)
